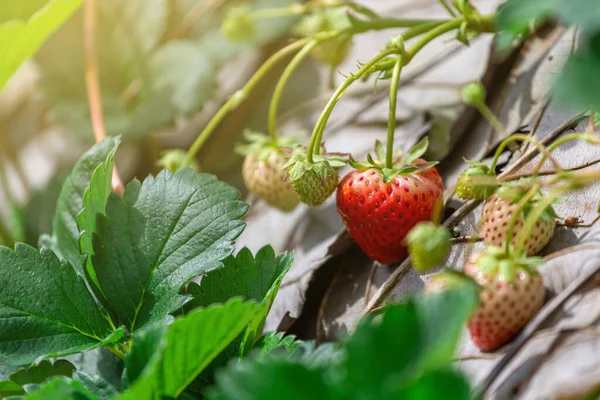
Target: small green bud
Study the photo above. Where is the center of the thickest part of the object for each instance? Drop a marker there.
(473, 94)
(397, 42)
(239, 25)
(175, 160)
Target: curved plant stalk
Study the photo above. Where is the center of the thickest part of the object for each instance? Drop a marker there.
(285, 76)
(523, 138)
(314, 144)
(417, 27)
(572, 136)
(430, 32)
(240, 96)
(515, 217)
(534, 216)
(392, 112)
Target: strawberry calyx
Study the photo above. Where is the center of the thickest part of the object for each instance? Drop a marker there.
(494, 260)
(403, 164)
(476, 182)
(514, 192)
(323, 165)
(262, 146)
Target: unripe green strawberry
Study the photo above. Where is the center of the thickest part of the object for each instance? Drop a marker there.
(476, 182)
(428, 245)
(264, 178)
(511, 293)
(315, 185)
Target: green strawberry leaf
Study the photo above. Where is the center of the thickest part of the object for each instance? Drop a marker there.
(252, 278)
(416, 152)
(40, 372)
(444, 312)
(10, 388)
(97, 386)
(443, 384)
(515, 17)
(148, 342)
(272, 379)
(171, 369)
(61, 389)
(395, 354)
(94, 202)
(66, 233)
(20, 39)
(160, 235)
(61, 315)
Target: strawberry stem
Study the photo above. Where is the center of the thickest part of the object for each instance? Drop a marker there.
(534, 216)
(392, 112)
(285, 76)
(315, 139)
(573, 136)
(431, 30)
(516, 214)
(523, 138)
(240, 96)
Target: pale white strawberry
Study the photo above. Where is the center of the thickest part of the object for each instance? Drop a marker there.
(264, 177)
(495, 220)
(511, 293)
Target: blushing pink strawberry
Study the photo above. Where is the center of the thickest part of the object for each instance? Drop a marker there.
(495, 221)
(511, 293)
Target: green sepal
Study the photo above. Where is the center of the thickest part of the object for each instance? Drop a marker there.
(298, 169)
(494, 260)
(477, 168)
(514, 192)
(323, 165)
(462, 34)
(416, 152)
(262, 145)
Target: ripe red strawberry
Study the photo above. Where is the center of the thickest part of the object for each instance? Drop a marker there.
(262, 170)
(265, 178)
(511, 293)
(379, 212)
(497, 214)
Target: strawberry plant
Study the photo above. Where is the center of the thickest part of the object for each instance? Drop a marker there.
(146, 272)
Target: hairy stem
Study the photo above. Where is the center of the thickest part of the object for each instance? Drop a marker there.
(524, 138)
(392, 112)
(515, 217)
(315, 140)
(240, 96)
(285, 76)
(572, 136)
